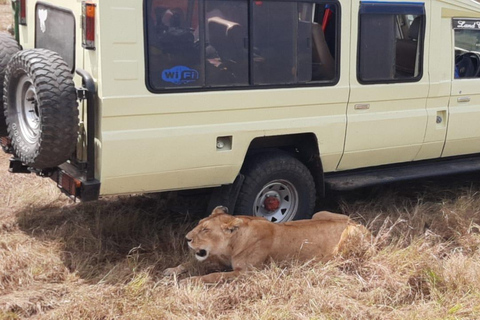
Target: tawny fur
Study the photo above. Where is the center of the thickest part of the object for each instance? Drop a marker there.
(244, 242)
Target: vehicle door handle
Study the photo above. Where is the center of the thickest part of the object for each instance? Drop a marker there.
(463, 99)
(363, 106)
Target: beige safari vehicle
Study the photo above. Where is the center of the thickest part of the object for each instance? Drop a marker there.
(265, 102)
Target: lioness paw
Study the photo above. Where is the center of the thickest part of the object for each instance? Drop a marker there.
(174, 271)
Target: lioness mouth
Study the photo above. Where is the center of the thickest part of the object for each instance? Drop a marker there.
(202, 253)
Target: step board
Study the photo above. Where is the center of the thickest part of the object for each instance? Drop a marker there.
(353, 179)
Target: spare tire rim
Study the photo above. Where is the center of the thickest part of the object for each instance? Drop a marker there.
(277, 201)
(27, 109)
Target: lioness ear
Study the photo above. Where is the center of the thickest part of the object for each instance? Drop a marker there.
(219, 210)
(232, 225)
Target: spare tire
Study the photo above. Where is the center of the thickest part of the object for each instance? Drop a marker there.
(41, 111)
(8, 48)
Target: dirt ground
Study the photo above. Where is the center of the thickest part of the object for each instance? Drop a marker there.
(6, 17)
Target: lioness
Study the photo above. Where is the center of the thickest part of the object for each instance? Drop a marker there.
(245, 242)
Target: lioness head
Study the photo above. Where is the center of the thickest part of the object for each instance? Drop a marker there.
(211, 237)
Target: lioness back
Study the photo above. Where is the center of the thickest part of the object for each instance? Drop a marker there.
(307, 239)
(326, 215)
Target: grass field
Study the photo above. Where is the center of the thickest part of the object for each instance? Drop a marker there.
(104, 260)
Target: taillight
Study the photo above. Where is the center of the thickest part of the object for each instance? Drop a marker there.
(22, 12)
(88, 25)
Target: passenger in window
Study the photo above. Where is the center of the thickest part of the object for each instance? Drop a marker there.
(226, 50)
(172, 37)
(323, 35)
(174, 56)
(323, 65)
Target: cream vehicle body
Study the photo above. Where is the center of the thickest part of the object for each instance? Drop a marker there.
(265, 101)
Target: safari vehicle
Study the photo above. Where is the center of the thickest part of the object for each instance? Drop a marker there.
(265, 102)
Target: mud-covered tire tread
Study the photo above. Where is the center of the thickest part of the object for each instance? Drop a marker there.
(8, 48)
(57, 104)
(268, 166)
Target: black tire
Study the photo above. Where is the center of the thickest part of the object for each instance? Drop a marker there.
(278, 187)
(8, 48)
(40, 103)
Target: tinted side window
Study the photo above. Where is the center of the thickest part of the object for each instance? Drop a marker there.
(391, 37)
(467, 46)
(294, 42)
(215, 43)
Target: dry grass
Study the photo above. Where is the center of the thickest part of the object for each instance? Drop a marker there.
(6, 15)
(103, 260)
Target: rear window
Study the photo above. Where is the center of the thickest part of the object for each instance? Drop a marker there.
(206, 44)
(55, 30)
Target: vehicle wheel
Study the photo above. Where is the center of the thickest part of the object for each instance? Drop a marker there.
(277, 187)
(8, 48)
(40, 108)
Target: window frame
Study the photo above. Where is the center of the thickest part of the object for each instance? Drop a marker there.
(392, 8)
(458, 25)
(250, 86)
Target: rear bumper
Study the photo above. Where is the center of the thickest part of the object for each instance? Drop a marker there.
(69, 179)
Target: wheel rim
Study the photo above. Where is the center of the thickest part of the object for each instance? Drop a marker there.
(27, 109)
(277, 201)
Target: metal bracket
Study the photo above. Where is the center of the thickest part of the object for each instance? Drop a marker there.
(16, 166)
(82, 94)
